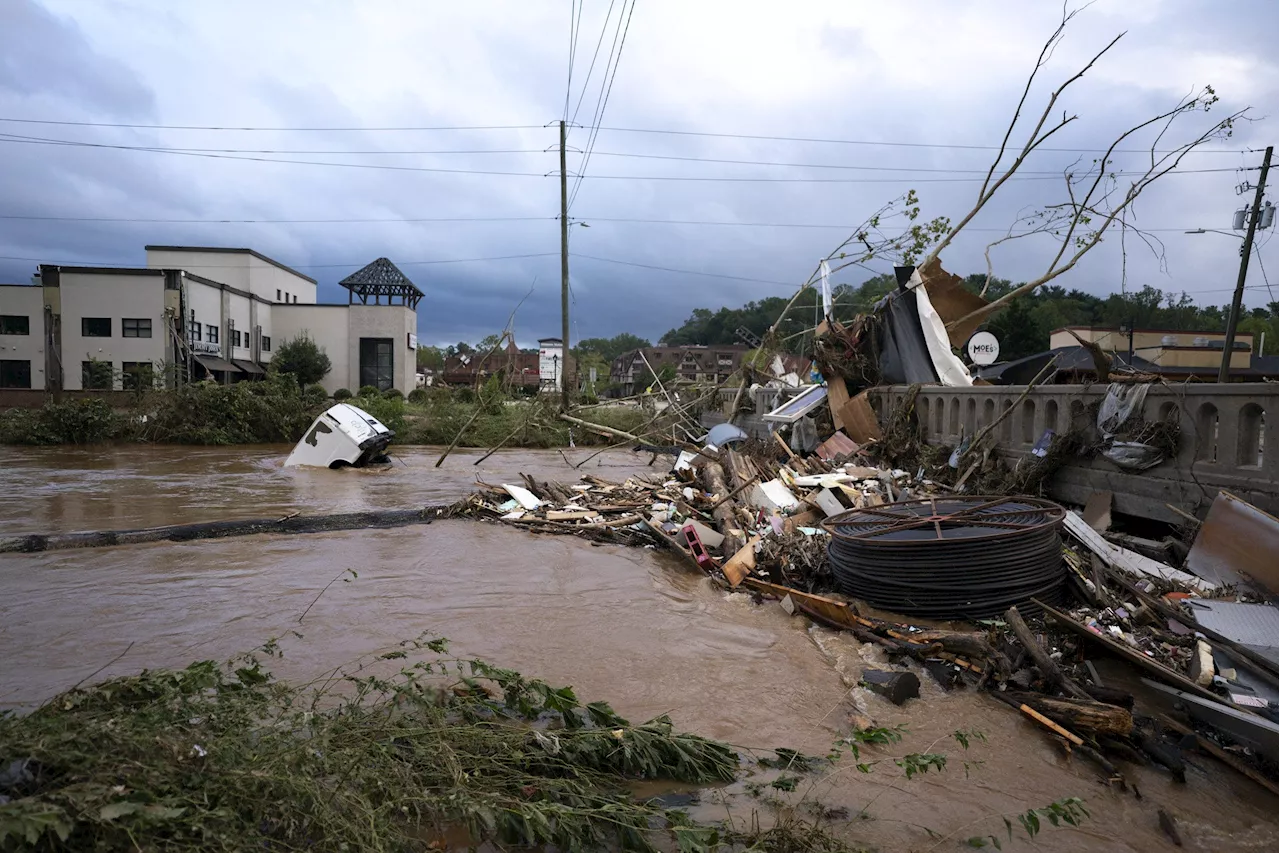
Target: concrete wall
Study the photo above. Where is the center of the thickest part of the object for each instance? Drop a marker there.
(327, 325)
(1228, 440)
(267, 278)
(206, 301)
(25, 301)
(227, 267)
(241, 270)
(116, 296)
(383, 321)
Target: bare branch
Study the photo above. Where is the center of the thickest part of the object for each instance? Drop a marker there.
(1034, 140)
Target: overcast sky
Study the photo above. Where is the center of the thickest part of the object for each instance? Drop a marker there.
(923, 75)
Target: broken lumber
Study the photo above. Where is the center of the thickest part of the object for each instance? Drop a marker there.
(1081, 714)
(1048, 668)
(722, 512)
(1159, 670)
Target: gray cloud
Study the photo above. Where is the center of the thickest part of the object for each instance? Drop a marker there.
(889, 76)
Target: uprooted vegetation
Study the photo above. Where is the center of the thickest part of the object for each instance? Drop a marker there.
(225, 758)
(442, 753)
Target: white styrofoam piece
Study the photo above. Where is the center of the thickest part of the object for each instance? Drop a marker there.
(828, 503)
(526, 498)
(773, 495)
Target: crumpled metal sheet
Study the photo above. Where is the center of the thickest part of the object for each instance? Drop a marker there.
(1254, 625)
(1237, 542)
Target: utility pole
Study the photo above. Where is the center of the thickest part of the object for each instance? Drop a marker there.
(1246, 253)
(563, 370)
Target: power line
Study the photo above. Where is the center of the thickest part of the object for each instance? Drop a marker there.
(960, 146)
(460, 219)
(227, 221)
(587, 82)
(591, 141)
(474, 151)
(294, 266)
(267, 129)
(149, 150)
(665, 131)
(686, 272)
(11, 138)
(574, 26)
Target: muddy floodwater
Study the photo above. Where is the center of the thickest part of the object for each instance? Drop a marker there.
(631, 626)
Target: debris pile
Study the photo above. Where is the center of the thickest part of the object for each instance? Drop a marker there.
(832, 534)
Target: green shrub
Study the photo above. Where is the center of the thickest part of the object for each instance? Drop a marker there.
(389, 410)
(303, 358)
(87, 421)
(369, 391)
(342, 394)
(418, 396)
(315, 395)
(243, 413)
(393, 394)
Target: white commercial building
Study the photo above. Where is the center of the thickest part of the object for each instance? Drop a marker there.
(201, 313)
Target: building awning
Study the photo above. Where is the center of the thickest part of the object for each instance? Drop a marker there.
(248, 366)
(213, 363)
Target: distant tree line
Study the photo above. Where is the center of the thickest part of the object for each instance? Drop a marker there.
(1023, 328)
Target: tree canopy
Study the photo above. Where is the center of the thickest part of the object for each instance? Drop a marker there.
(302, 357)
(1023, 327)
(608, 348)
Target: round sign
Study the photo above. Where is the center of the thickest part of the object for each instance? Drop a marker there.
(983, 348)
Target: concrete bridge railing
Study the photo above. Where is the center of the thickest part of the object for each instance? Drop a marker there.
(1227, 440)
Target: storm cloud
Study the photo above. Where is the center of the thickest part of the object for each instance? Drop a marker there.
(333, 77)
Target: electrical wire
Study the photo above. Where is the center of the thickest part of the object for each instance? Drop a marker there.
(277, 221)
(686, 272)
(377, 166)
(959, 146)
(650, 130)
(590, 69)
(267, 129)
(117, 264)
(12, 138)
(599, 117)
(575, 23)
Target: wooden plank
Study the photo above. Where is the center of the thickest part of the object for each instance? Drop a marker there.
(741, 564)
(1138, 659)
(1211, 748)
(837, 396)
(1050, 724)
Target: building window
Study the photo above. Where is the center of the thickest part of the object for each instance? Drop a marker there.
(286, 298)
(15, 324)
(135, 328)
(96, 375)
(277, 294)
(15, 374)
(195, 333)
(235, 337)
(266, 344)
(136, 375)
(295, 299)
(377, 363)
(95, 327)
(212, 334)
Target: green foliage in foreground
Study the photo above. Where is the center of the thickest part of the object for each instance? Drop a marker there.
(227, 758)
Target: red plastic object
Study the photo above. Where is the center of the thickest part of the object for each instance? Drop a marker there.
(699, 551)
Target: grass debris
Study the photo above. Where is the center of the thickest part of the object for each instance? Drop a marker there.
(226, 757)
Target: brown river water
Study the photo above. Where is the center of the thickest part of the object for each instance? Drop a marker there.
(631, 626)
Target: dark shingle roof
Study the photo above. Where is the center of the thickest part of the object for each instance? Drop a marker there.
(382, 278)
